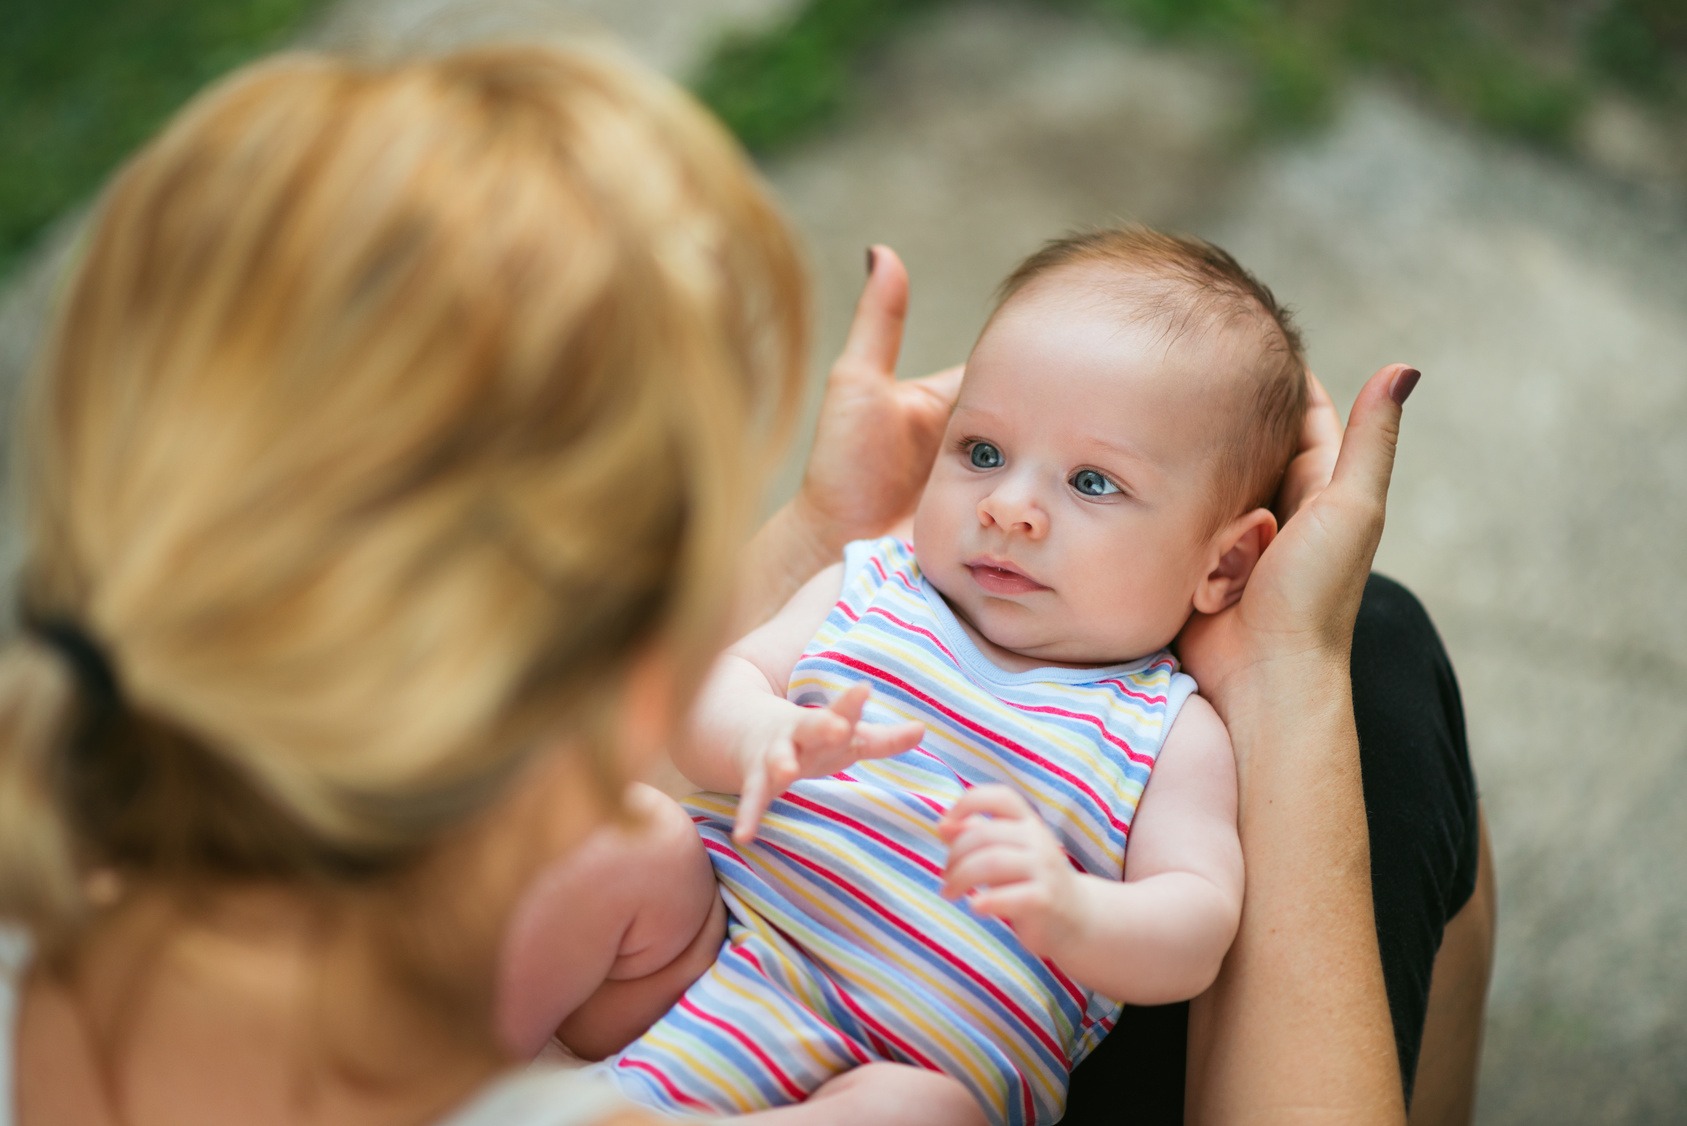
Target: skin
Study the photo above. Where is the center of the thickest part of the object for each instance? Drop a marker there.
(1068, 516)
(272, 1005)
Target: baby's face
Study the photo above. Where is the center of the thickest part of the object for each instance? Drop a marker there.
(1068, 516)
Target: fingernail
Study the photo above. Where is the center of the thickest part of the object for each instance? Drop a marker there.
(1403, 384)
(872, 260)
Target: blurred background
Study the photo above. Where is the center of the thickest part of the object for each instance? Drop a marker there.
(1492, 190)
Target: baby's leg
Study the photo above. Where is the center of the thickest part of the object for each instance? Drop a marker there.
(884, 1094)
(607, 940)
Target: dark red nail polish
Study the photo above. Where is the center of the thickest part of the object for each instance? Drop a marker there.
(872, 260)
(1403, 384)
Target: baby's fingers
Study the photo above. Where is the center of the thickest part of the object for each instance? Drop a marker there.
(776, 771)
(984, 832)
(849, 705)
(987, 867)
(882, 740)
(819, 730)
(993, 800)
(1013, 901)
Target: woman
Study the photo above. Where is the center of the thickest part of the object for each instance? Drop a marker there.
(385, 477)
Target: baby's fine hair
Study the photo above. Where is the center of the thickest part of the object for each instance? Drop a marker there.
(393, 411)
(1195, 287)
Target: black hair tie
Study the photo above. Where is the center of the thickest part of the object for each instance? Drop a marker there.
(96, 679)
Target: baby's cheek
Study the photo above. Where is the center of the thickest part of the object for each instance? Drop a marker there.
(1141, 610)
(934, 530)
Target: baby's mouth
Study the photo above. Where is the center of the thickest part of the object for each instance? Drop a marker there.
(997, 579)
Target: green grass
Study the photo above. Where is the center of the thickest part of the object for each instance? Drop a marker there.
(778, 87)
(1638, 44)
(772, 89)
(82, 82)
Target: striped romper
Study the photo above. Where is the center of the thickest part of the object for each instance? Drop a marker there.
(840, 950)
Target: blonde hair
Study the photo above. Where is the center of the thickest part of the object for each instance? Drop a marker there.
(393, 411)
(1194, 287)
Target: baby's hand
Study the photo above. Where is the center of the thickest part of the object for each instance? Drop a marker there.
(814, 743)
(1010, 865)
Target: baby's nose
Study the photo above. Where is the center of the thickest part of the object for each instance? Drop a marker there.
(1015, 511)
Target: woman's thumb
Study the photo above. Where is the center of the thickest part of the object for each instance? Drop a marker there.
(1366, 461)
(875, 335)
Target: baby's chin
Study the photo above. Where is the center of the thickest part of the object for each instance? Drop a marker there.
(1075, 654)
(1033, 641)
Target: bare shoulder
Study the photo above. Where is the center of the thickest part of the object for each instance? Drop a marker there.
(1194, 776)
(1197, 731)
(1186, 819)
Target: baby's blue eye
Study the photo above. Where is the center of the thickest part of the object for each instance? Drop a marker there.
(1092, 484)
(985, 456)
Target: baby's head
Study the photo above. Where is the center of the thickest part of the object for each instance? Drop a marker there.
(1126, 418)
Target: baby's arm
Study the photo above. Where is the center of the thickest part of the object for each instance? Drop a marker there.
(1159, 935)
(747, 739)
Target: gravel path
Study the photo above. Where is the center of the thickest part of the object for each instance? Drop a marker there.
(1540, 502)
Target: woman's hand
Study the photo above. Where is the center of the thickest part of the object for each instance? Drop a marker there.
(876, 437)
(872, 452)
(1299, 1015)
(1304, 594)
(1315, 460)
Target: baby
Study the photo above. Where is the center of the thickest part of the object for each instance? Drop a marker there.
(943, 747)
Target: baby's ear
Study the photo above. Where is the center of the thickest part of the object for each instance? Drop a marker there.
(1236, 549)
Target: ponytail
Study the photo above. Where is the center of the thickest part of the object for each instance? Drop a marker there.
(39, 883)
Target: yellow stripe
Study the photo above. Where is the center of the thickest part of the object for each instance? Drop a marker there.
(870, 940)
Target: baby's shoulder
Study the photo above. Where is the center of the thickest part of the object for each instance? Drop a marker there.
(869, 565)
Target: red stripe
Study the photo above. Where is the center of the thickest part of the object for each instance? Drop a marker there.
(1073, 990)
(673, 1091)
(871, 834)
(1134, 695)
(910, 626)
(900, 576)
(978, 729)
(942, 953)
(1066, 983)
(797, 1093)
(749, 955)
(1046, 709)
(1049, 709)
(883, 1034)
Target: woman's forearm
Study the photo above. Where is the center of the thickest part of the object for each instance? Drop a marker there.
(1297, 1026)
(793, 546)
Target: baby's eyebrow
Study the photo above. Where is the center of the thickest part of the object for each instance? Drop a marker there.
(1121, 448)
(988, 415)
